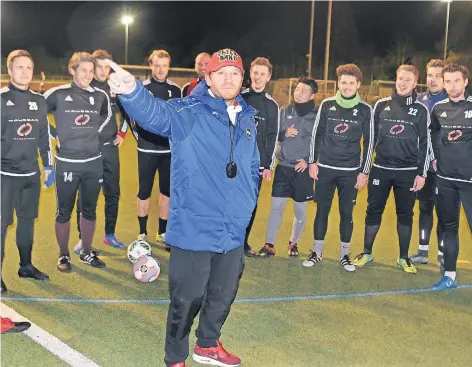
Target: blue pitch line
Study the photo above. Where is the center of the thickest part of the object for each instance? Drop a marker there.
(241, 300)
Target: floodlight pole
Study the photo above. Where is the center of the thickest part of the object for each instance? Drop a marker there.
(328, 40)
(310, 48)
(447, 28)
(126, 43)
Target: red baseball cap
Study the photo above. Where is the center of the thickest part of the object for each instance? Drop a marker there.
(225, 57)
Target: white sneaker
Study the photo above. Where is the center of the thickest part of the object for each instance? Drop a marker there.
(347, 264)
(142, 237)
(78, 247)
(312, 259)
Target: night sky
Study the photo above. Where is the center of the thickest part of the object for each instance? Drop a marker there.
(278, 30)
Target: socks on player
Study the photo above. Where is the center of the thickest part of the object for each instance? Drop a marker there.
(162, 226)
(369, 237)
(88, 229)
(450, 274)
(62, 236)
(298, 221)
(143, 224)
(319, 245)
(344, 250)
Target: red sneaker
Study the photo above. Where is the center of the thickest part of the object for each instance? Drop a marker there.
(178, 364)
(9, 326)
(216, 356)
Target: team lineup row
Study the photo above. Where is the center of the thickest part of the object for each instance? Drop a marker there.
(213, 148)
(310, 144)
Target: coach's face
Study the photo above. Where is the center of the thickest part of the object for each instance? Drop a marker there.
(102, 70)
(455, 84)
(21, 71)
(83, 74)
(406, 83)
(225, 82)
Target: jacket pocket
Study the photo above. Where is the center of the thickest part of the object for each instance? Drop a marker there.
(180, 189)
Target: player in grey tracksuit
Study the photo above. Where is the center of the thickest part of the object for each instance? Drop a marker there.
(292, 179)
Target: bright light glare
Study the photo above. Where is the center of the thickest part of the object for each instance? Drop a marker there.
(126, 19)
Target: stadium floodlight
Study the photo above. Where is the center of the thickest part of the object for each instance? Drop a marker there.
(126, 20)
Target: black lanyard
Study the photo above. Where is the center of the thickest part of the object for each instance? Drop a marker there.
(231, 167)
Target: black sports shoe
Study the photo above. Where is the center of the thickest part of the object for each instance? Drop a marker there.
(63, 264)
(249, 252)
(91, 258)
(293, 249)
(267, 251)
(312, 259)
(29, 271)
(4, 287)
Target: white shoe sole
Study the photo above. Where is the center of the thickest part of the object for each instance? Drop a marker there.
(349, 268)
(210, 361)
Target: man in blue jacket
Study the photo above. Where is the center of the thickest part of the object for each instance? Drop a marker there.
(426, 196)
(214, 183)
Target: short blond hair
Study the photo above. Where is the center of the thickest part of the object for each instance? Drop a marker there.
(159, 53)
(79, 57)
(17, 53)
(435, 63)
(102, 55)
(262, 61)
(411, 68)
(349, 69)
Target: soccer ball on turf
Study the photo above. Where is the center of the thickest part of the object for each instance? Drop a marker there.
(137, 249)
(146, 269)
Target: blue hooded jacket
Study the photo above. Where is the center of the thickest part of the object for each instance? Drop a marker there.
(208, 211)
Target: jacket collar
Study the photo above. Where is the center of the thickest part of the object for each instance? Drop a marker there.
(404, 101)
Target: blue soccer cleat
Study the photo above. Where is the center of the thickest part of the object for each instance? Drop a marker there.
(444, 283)
(110, 239)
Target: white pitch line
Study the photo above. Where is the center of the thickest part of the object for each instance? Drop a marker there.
(50, 342)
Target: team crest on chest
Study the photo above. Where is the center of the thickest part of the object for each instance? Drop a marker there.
(92, 100)
(248, 133)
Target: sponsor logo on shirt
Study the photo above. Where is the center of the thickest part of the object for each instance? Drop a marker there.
(82, 120)
(397, 129)
(341, 128)
(24, 129)
(454, 135)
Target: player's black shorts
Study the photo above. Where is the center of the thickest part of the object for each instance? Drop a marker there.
(148, 164)
(20, 193)
(72, 177)
(289, 183)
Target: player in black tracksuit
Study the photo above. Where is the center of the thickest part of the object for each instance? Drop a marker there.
(110, 140)
(154, 156)
(267, 126)
(81, 112)
(402, 159)
(336, 161)
(154, 152)
(451, 130)
(25, 129)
